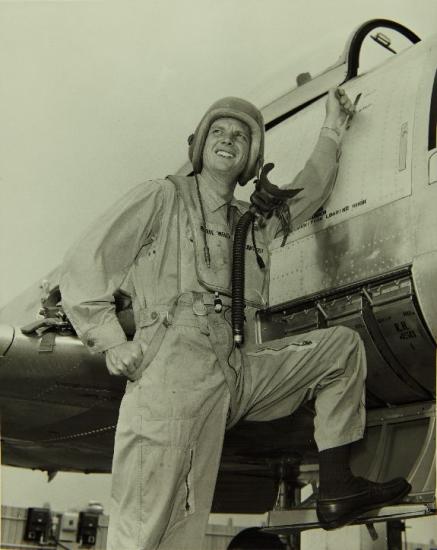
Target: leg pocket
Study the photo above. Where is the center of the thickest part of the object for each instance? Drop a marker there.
(299, 343)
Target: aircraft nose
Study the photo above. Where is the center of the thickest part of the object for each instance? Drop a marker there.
(6, 338)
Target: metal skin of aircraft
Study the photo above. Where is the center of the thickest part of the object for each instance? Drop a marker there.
(367, 260)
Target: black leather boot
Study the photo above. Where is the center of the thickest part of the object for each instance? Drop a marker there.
(345, 508)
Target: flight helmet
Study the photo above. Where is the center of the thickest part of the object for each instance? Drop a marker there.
(240, 109)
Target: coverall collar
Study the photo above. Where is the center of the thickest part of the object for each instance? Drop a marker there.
(214, 202)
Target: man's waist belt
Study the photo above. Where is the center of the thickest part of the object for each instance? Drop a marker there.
(207, 298)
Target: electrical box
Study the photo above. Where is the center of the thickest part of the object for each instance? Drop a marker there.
(68, 525)
(37, 524)
(87, 532)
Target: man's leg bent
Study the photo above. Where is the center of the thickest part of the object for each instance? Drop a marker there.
(328, 364)
(332, 369)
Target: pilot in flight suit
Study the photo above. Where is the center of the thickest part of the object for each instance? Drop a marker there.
(168, 242)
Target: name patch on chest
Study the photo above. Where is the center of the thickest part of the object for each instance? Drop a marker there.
(226, 235)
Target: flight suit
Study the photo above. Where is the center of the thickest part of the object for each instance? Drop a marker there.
(192, 382)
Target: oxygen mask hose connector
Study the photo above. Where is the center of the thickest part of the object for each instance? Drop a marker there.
(266, 199)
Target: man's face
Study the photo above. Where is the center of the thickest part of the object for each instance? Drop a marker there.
(227, 147)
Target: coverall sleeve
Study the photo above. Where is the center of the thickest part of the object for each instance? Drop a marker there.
(96, 265)
(317, 180)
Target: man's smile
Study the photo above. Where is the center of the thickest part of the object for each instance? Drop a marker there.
(225, 154)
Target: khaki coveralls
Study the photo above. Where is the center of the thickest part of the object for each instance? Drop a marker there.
(192, 384)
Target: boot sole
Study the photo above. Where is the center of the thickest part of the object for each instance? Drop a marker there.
(347, 519)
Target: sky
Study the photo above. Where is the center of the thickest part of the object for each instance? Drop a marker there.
(97, 96)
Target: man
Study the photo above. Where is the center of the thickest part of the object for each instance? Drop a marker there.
(168, 242)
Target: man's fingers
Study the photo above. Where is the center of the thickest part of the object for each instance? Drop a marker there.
(132, 360)
(125, 359)
(338, 103)
(339, 109)
(113, 367)
(346, 103)
(120, 369)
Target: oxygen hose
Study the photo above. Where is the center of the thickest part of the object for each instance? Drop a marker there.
(238, 268)
(266, 199)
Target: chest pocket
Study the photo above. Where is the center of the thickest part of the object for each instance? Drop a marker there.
(218, 275)
(219, 241)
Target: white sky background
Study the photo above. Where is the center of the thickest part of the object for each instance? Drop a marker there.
(96, 96)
